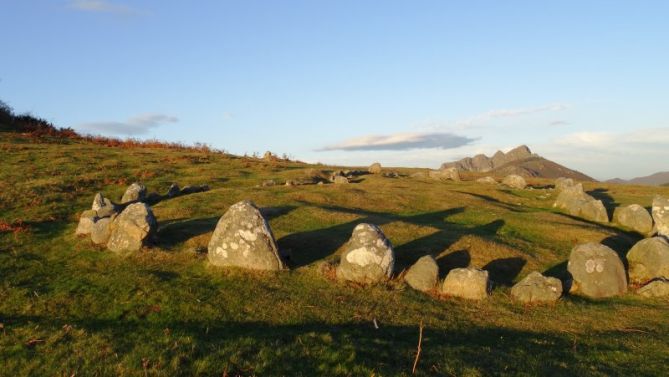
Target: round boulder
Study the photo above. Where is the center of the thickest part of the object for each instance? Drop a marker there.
(634, 217)
(368, 257)
(597, 271)
(514, 181)
(661, 215)
(243, 238)
(536, 288)
(648, 259)
(135, 192)
(594, 210)
(423, 275)
(470, 283)
(375, 168)
(132, 229)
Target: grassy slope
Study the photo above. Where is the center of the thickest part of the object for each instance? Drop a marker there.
(68, 307)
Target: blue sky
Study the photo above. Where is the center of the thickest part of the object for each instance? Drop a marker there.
(406, 83)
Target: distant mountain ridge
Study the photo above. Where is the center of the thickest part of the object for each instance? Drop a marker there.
(519, 160)
(656, 179)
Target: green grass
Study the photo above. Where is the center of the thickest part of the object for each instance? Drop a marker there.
(70, 308)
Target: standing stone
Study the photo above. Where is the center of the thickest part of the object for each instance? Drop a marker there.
(514, 181)
(173, 191)
(340, 179)
(594, 210)
(656, 288)
(101, 230)
(487, 180)
(243, 238)
(577, 203)
(536, 288)
(369, 256)
(648, 259)
(470, 283)
(132, 229)
(562, 183)
(375, 168)
(634, 217)
(86, 222)
(135, 192)
(103, 206)
(423, 275)
(597, 271)
(661, 215)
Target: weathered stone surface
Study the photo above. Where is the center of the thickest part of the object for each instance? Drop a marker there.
(423, 274)
(577, 203)
(368, 257)
(648, 259)
(419, 174)
(487, 180)
(536, 288)
(340, 179)
(135, 192)
(634, 217)
(101, 230)
(243, 238)
(562, 183)
(656, 288)
(470, 283)
(514, 181)
(103, 206)
(173, 191)
(445, 174)
(597, 271)
(375, 168)
(661, 215)
(132, 229)
(86, 221)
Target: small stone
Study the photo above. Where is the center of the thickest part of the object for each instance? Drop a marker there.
(514, 181)
(470, 283)
(536, 288)
(86, 221)
(487, 180)
(368, 257)
(648, 259)
(423, 275)
(135, 192)
(597, 271)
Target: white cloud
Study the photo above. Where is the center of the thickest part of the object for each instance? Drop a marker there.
(508, 113)
(401, 141)
(101, 6)
(136, 125)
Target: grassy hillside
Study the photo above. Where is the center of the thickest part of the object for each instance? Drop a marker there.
(70, 308)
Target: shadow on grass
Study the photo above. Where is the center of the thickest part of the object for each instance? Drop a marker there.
(354, 348)
(503, 271)
(608, 201)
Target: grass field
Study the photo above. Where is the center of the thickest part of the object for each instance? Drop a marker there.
(69, 308)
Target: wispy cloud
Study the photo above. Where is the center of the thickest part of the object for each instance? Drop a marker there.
(137, 125)
(401, 141)
(559, 123)
(101, 6)
(508, 113)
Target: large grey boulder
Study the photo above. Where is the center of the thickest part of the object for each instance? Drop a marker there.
(470, 283)
(562, 183)
(101, 230)
(634, 217)
(243, 238)
(536, 288)
(135, 192)
(86, 222)
(577, 203)
(423, 275)
(661, 215)
(132, 229)
(597, 271)
(375, 168)
(656, 288)
(514, 181)
(648, 259)
(368, 257)
(445, 174)
(487, 180)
